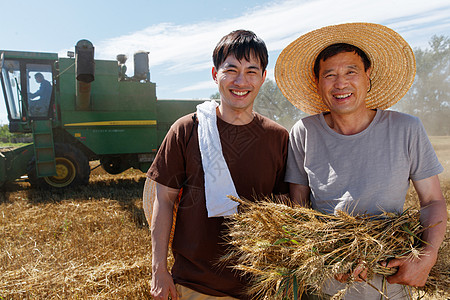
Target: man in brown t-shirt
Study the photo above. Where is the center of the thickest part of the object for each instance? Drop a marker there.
(254, 149)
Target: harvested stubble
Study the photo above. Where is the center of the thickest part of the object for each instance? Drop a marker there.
(287, 250)
(89, 242)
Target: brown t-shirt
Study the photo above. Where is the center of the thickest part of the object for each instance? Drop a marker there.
(256, 156)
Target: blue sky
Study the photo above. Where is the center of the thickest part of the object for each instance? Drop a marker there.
(180, 35)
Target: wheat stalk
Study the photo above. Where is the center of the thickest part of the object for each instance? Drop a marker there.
(287, 250)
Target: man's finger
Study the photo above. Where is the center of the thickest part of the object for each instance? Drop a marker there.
(394, 263)
(174, 294)
(362, 276)
(341, 277)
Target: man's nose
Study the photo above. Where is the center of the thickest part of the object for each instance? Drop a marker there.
(340, 82)
(240, 79)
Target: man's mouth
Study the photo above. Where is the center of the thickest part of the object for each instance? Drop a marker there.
(239, 93)
(342, 96)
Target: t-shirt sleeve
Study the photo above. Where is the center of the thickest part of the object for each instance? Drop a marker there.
(295, 171)
(168, 168)
(424, 161)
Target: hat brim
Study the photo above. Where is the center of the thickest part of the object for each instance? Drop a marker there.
(393, 64)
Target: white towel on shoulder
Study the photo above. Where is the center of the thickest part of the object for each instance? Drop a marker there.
(218, 181)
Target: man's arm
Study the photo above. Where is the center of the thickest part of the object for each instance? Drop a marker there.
(299, 194)
(38, 92)
(33, 95)
(414, 272)
(161, 223)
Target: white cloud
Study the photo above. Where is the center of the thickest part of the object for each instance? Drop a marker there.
(199, 86)
(180, 55)
(188, 48)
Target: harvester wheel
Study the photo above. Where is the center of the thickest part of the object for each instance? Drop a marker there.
(72, 168)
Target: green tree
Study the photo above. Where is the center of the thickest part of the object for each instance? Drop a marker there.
(271, 103)
(215, 96)
(429, 96)
(5, 135)
(8, 137)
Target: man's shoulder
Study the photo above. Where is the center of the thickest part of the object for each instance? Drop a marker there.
(269, 124)
(397, 114)
(311, 119)
(182, 127)
(307, 122)
(400, 117)
(185, 121)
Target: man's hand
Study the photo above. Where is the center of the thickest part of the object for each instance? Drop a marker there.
(359, 274)
(163, 286)
(433, 217)
(159, 216)
(411, 271)
(299, 194)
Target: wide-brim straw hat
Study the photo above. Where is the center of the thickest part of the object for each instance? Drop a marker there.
(393, 64)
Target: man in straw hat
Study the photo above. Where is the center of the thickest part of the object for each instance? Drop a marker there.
(221, 150)
(352, 154)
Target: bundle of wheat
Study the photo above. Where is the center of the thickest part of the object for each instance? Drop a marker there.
(287, 250)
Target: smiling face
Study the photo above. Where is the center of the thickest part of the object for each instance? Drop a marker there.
(343, 83)
(239, 83)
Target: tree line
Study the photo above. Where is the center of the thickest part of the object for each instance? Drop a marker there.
(8, 137)
(429, 96)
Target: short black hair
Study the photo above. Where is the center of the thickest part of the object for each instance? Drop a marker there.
(39, 75)
(241, 44)
(335, 49)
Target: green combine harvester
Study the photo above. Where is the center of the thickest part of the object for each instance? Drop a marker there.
(78, 110)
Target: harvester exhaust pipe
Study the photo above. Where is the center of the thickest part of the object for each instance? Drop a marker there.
(141, 66)
(84, 68)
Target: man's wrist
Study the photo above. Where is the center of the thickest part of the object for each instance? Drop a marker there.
(430, 253)
(159, 266)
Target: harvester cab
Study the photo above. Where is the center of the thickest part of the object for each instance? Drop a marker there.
(27, 80)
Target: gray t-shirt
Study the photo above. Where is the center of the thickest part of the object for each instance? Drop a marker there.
(368, 172)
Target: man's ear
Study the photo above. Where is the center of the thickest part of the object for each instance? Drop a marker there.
(368, 72)
(214, 74)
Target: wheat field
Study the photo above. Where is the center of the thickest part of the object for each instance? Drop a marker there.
(93, 242)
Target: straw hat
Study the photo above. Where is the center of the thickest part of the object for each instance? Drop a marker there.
(393, 64)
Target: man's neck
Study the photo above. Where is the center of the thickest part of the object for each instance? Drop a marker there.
(235, 117)
(351, 123)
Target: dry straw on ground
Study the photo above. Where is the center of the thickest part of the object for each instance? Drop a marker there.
(93, 242)
(287, 250)
(89, 242)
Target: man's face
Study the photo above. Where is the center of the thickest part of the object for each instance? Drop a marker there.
(343, 83)
(239, 82)
(38, 79)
